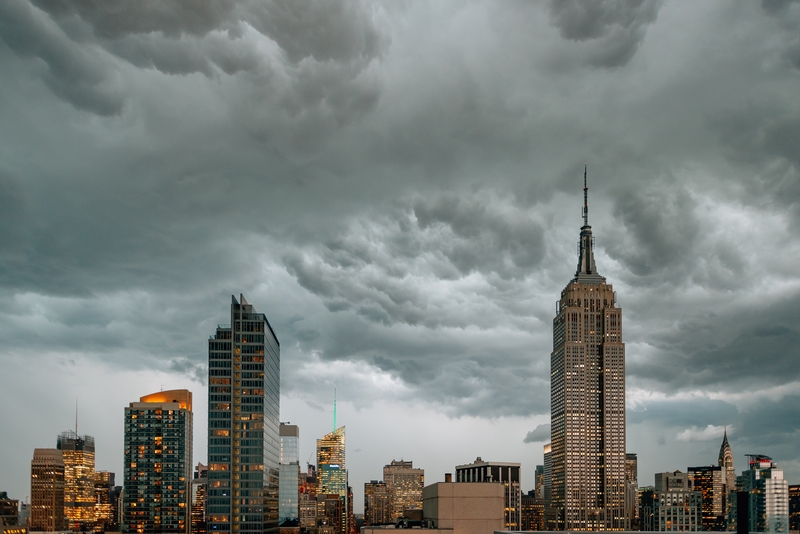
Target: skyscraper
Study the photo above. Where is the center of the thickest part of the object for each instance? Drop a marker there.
(243, 409)
(728, 476)
(708, 480)
(78, 454)
(768, 495)
(404, 483)
(47, 490)
(726, 463)
(158, 463)
(587, 399)
(332, 474)
(290, 473)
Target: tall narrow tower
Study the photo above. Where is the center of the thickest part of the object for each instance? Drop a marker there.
(243, 409)
(587, 399)
(332, 472)
(158, 463)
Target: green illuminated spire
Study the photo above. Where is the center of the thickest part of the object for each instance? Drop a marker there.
(334, 409)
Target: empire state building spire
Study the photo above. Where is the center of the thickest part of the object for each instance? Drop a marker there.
(587, 272)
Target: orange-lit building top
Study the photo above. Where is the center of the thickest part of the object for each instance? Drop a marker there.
(181, 396)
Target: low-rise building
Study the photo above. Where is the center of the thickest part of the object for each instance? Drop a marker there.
(672, 505)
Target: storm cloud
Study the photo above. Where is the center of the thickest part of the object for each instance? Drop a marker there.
(398, 186)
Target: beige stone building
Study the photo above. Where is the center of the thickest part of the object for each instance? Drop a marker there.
(459, 508)
(587, 399)
(47, 490)
(404, 483)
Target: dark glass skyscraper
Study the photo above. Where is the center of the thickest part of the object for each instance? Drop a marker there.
(587, 400)
(243, 410)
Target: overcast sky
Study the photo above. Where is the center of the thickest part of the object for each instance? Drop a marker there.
(398, 187)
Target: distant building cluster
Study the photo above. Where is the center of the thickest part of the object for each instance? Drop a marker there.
(252, 482)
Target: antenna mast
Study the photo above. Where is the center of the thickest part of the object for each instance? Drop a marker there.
(585, 199)
(76, 417)
(334, 409)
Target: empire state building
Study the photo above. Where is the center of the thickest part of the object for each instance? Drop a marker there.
(587, 399)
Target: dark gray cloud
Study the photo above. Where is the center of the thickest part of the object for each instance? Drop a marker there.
(613, 29)
(540, 434)
(398, 188)
(81, 76)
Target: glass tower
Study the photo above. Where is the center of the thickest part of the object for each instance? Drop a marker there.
(243, 410)
(332, 471)
(158, 463)
(290, 473)
(587, 399)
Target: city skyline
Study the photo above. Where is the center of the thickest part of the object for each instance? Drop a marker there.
(400, 194)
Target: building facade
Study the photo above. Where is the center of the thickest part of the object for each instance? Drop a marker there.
(47, 490)
(332, 477)
(794, 507)
(243, 411)
(105, 506)
(632, 489)
(9, 510)
(158, 463)
(307, 500)
(507, 474)
(587, 399)
(532, 515)
(464, 507)
(79, 498)
(377, 503)
(199, 499)
(404, 483)
(289, 473)
(672, 506)
(709, 480)
(768, 495)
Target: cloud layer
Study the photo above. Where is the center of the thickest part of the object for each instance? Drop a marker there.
(398, 186)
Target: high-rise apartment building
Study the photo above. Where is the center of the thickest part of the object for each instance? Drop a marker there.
(587, 399)
(289, 473)
(332, 477)
(404, 483)
(768, 495)
(709, 481)
(158, 463)
(377, 503)
(504, 473)
(243, 410)
(47, 490)
(78, 454)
